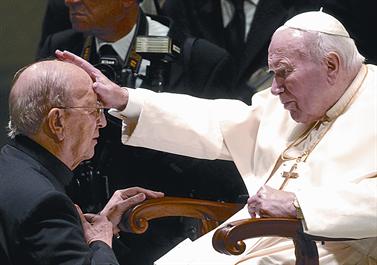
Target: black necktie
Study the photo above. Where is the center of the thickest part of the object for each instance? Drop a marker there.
(107, 50)
(235, 30)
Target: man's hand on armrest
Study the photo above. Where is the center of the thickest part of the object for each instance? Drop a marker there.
(122, 200)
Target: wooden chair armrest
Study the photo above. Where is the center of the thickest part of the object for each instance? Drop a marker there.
(210, 213)
(228, 239)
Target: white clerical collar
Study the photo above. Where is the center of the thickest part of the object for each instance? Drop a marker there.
(120, 46)
(342, 103)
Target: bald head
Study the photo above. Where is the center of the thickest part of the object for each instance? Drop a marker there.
(37, 89)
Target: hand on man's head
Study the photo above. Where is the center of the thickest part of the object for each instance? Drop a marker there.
(110, 94)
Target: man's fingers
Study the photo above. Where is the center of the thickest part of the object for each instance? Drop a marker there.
(131, 201)
(134, 200)
(91, 217)
(125, 193)
(82, 217)
(124, 205)
(154, 194)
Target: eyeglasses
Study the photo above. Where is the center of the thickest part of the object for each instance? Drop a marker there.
(99, 110)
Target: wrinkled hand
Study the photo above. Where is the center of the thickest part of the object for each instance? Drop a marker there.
(122, 200)
(110, 94)
(96, 227)
(269, 202)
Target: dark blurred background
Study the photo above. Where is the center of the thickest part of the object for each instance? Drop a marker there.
(20, 24)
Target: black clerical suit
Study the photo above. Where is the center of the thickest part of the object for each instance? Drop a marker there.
(39, 221)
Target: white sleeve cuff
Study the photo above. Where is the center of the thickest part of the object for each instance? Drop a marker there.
(133, 108)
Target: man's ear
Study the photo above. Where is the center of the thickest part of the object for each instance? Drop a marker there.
(332, 61)
(55, 122)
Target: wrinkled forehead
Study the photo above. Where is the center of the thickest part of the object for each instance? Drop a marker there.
(81, 86)
(287, 43)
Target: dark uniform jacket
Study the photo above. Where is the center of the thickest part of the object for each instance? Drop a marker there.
(39, 223)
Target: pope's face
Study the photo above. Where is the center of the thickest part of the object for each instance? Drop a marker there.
(300, 81)
(95, 15)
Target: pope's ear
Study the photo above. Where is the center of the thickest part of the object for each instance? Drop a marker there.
(332, 61)
(55, 122)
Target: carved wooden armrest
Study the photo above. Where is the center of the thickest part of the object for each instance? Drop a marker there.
(210, 213)
(228, 239)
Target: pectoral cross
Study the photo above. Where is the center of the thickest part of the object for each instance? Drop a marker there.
(291, 174)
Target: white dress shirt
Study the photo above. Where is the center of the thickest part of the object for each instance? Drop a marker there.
(249, 9)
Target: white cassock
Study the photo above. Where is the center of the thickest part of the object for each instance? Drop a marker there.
(336, 187)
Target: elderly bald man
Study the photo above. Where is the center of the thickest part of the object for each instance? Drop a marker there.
(306, 148)
(55, 118)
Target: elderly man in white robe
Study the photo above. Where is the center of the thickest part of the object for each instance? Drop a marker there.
(308, 143)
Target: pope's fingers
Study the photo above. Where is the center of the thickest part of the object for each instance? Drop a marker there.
(253, 210)
(261, 194)
(80, 62)
(252, 199)
(253, 214)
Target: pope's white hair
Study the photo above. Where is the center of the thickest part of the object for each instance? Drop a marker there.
(321, 44)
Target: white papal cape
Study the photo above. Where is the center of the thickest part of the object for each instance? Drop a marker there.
(336, 187)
